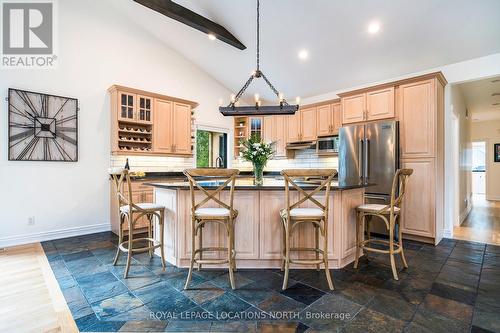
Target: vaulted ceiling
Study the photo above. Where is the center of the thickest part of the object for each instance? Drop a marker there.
(414, 36)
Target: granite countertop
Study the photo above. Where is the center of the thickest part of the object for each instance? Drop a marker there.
(247, 184)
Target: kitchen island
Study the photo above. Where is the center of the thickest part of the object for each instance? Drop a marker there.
(258, 228)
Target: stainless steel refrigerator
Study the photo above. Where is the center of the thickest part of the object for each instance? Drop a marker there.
(370, 153)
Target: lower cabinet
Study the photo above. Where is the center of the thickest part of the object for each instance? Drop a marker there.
(418, 208)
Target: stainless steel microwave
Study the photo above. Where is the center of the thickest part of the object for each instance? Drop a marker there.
(327, 145)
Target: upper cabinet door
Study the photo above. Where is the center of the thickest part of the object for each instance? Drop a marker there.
(380, 104)
(268, 131)
(337, 117)
(293, 124)
(280, 138)
(162, 128)
(308, 124)
(353, 108)
(127, 106)
(324, 120)
(144, 109)
(417, 112)
(182, 128)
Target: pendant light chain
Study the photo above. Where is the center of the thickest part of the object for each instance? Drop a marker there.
(258, 74)
(258, 36)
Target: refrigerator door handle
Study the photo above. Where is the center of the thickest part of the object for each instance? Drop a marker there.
(360, 159)
(366, 161)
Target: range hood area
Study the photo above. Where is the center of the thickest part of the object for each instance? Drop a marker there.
(301, 145)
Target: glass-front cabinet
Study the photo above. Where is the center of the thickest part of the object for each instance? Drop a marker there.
(256, 127)
(127, 106)
(145, 109)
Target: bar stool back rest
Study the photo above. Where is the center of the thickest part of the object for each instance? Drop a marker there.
(291, 175)
(227, 175)
(121, 177)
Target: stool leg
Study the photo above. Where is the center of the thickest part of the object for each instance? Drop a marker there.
(325, 258)
(400, 238)
(162, 237)
(233, 246)
(120, 239)
(287, 255)
(130, 239)
(229, 228)
(391, 253)
(200, 244)
(150, 233)
(316, 238)
(193, 249)
(283, 246)
(358, 241)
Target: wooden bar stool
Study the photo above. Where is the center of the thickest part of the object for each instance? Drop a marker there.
(225, 215)
(130, 212)
(292, 216)
(391, 211)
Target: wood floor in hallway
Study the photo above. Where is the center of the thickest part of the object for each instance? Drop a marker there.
(30, 297)
(483, 222)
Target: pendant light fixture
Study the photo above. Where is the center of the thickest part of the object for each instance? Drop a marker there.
(283, 108)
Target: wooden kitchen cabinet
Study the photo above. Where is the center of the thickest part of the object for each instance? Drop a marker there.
(419, 203)
(293, 127)
(302, 125)
(418, 119)
(146, 123)
(163, 117)
(172, 129)
(181, 130)
(368, 106)
(353, 109)
(308, 130)
(329, 119)
(274, 130)
(380, 104)
(324, 119)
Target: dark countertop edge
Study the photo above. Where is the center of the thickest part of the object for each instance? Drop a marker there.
(260, 188)
(179, 174)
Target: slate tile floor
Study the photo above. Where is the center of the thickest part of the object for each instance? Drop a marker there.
(454, 287)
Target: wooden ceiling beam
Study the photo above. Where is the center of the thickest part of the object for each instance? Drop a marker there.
(192, 19)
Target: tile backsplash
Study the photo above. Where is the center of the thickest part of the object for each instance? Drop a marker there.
(153, 163)
(303, 159)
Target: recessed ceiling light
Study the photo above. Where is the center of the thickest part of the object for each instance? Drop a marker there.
(374, 27)
(212, 37)
(303, 54)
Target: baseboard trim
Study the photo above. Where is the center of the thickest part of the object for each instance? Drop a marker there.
(464, 214)
(492, 198)
(54, 234)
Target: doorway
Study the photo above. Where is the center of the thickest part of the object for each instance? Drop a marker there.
(478, 169)
(211, 149)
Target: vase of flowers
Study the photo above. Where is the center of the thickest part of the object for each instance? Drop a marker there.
(258, 152)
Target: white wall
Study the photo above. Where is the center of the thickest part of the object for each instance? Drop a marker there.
(489, 131)
(97, 48)
(458, 107)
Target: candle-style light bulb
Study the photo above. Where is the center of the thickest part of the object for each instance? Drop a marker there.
(281, 97)
(233, 98)
(257, 98)
(297, 100)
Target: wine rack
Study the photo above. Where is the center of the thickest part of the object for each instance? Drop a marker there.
(135, 137)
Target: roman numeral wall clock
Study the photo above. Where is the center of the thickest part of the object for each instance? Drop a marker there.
(42, 127)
